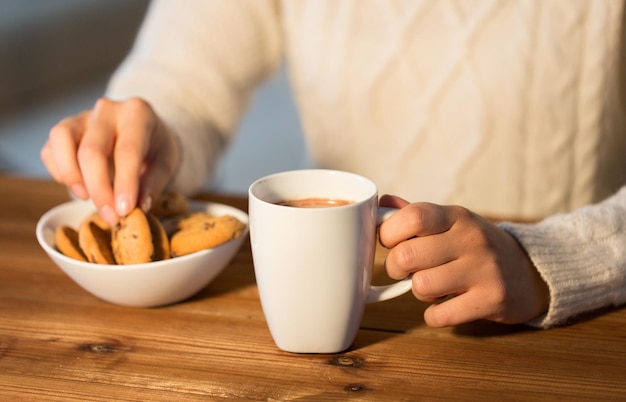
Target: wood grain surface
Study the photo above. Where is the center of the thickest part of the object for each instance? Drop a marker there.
(59, 343)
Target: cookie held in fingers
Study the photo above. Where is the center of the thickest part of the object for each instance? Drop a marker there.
(66, 241)
(95, 243)
(207, 232)
(139, 238)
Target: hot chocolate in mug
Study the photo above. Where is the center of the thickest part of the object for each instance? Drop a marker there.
(313, 236)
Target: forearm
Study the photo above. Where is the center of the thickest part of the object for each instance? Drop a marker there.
(581, 256)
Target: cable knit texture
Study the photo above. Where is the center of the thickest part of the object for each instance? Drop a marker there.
(510, 108)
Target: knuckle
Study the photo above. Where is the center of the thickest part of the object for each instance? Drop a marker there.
(124, 149)
(137, 105)
(499, 297)
(480, 240)
(59, 131)
(461, 212)
(137, 102)
(125, 154)
(402, 256)
(103, 104)
(478, 237)
(87, 152)
(418, 218)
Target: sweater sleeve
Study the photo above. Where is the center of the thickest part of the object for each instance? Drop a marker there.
(581, 256)
(197, 63)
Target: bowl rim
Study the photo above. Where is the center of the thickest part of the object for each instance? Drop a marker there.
(195, 206)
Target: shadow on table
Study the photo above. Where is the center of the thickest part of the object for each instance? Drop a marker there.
(238, 275)
(487, 329)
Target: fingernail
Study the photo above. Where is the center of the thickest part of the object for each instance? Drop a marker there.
(108, 214)
(123, 205)
(79, 191)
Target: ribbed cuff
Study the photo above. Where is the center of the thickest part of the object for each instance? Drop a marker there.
(576, 263)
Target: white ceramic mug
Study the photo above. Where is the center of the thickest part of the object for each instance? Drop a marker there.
(313, 266)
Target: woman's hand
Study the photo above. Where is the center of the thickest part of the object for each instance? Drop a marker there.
(468, 267)
(119, 154)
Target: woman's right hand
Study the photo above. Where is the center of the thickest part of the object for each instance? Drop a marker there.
(119, 154)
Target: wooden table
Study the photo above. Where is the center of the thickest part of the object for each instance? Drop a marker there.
(57, 342)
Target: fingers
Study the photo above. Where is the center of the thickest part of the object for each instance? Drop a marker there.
(420, 253)
(59, 154)
(135, 126)
(159, 169)
(94, 152)
(453, 278)
(122, 133)
(471, 306)
(461, 294)
(418, 219)
(456, 256)
(480, 289)
(410, 233)
(104, 153)
(476, 268)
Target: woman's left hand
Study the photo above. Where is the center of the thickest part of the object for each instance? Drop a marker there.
(469, 268)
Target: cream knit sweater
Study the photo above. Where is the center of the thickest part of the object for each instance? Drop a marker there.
(510, 108)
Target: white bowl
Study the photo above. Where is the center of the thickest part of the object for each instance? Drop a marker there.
(140, 285)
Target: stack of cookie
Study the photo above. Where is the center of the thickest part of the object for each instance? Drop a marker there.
(167, 230)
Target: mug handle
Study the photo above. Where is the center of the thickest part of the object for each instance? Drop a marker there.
(386, 292)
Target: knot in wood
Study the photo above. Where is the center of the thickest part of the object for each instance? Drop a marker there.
(98, 348)
(356, 388)
(346, 361)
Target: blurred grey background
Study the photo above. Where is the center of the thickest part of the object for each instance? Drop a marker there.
(55, 59)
